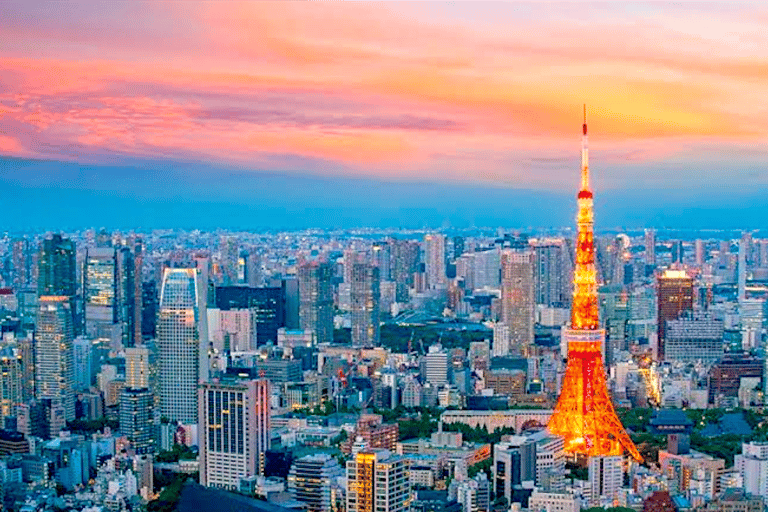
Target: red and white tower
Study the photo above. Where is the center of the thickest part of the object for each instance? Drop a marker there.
(584, 415)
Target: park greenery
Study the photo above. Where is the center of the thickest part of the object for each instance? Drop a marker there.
(396, 337)
(177, 453)
(724, 446)
(168, 500)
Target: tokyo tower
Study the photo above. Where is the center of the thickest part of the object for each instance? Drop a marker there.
(584, 415)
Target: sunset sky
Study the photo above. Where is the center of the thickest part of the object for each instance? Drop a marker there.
(216, 98)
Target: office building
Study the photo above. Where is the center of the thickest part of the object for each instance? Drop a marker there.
(650, 247)
(234, 430)
(11, 380)
(434, 260)
(54, 357)
(437, 366)
(552, 285)
(83, 360)
(365, 305)
(312, 480)
(726, 375)
(137, 369)
(518, 308)
(22, 263)
(178, 342)
(316, 299)
(57, 272)
(100, 293)
(27, 352)
(675, 297)
(752, 465)
(377, 481)
(137, 419)
(266, 307)
(606, 478)
(694, 337)
(405, 256)
(229, 250)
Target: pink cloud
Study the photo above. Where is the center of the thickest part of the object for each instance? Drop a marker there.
(391, 90)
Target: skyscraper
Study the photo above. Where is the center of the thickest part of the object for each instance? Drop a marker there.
(99, 292)
(518, 308)
(675, 296)
(21, 261)
(650, 247)
(230, 255)
(550, 274)
(234, 431)
(316, 299)
(744, 248)
(137, 401)
(405, 255)
(365, 305)
(377, 482)
(178, 341)
(434, 259)
(57, 273)
(312, 482)
(584, 415)
(54, 358)
(11, 380)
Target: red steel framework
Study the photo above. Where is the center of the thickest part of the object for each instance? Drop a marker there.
(584, 415)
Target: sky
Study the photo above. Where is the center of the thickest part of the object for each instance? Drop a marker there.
(330, 114)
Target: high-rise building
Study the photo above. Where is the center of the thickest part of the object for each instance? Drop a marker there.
(700, 250)
(316, 299)
(752, 465)
(584, 415)
(434, 258)
(694, 337)
(54, 358)
(230, 254)
(744, 249)
(11, 380)
(57, 272)
(27, 353)
(650, 247)
(436, 365)
(405, 256)
(365, 305)
(83, 360)
(100, 292)
(21, 261)
(677, 252)
(234, 431)
(266, 306)
(518, 308)
(137, 401)
(377, 481)
(606, 478)
(137, 367)
(125, 300)
(312, 481)
(550, 274)
(178, 341)
(675, 296)
(137, 419)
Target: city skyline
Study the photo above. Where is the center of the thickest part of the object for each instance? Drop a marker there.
(466, 108)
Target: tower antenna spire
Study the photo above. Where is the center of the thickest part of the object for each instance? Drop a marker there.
(584, 415)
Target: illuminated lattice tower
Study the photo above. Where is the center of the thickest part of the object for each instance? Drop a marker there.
(584, 415)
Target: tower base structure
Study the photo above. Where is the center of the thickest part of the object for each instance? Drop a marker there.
(584, 415)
